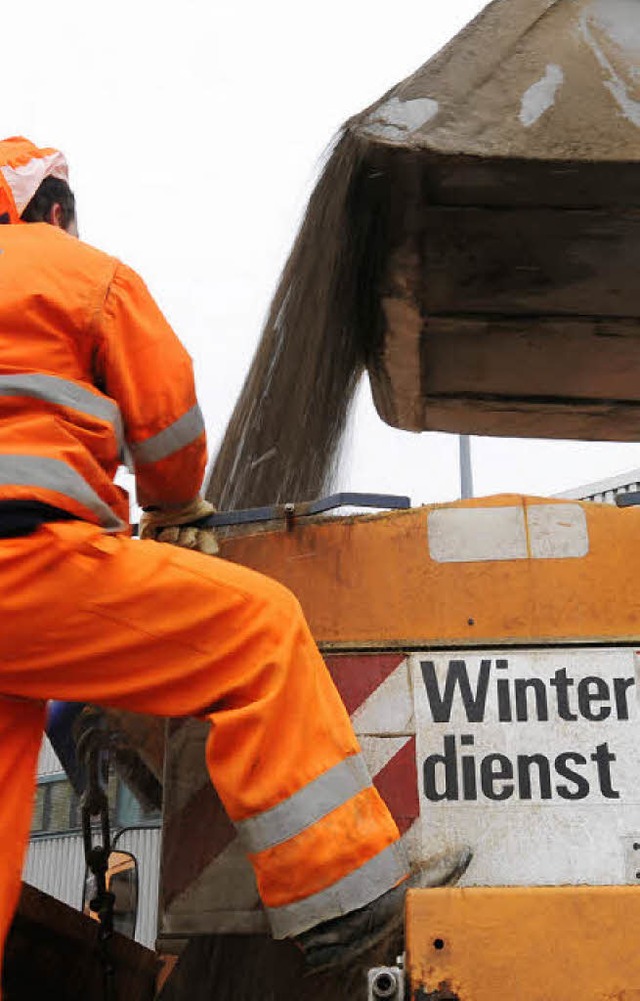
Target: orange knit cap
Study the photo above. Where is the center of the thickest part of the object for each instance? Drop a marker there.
(23, 168)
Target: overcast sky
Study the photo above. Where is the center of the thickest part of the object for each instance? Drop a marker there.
(194, 133)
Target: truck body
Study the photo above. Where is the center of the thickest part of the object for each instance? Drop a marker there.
(487, 653)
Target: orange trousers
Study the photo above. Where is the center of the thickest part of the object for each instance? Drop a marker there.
(90, 617)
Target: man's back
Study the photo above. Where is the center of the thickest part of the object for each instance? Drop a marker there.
(88, 365)
(53, 418)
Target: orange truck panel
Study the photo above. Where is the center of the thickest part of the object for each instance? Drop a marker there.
(372, 582)
(529, 944)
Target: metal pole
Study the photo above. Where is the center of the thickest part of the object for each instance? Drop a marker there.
(466, 474)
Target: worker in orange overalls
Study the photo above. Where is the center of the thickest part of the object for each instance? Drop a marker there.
(90, 368)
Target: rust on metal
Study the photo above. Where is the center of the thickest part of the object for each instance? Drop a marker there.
(523, 943)
(443, 992)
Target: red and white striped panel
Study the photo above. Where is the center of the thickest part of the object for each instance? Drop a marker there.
(207, 885)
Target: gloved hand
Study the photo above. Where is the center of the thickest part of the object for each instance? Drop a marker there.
(175, 526)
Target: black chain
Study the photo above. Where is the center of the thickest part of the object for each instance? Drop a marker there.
(93, 746)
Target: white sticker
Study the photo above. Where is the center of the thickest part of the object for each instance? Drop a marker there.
(488, 534)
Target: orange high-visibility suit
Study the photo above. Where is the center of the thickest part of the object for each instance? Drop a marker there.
(89, 369)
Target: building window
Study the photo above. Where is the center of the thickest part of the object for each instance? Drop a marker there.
(130, 812)
(57, 807)
(38, 822)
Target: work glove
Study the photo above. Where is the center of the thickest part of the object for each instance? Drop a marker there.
(176, 526)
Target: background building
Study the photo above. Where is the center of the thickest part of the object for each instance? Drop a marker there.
(606, 491)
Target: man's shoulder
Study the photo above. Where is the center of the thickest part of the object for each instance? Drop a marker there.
(65, 245)
(52, 250)
(41, 238)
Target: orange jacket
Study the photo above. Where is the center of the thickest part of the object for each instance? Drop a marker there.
(89, 370)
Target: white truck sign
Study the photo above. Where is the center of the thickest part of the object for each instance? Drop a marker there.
(532, 757)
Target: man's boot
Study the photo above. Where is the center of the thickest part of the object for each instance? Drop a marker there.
(336, 943)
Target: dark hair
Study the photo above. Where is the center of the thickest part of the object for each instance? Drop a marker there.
(51, 191)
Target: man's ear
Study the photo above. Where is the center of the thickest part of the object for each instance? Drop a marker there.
(55, 216)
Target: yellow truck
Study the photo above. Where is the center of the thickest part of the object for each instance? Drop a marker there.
(487, 651)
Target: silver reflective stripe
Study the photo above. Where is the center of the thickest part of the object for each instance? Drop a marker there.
(360, 887)
(64, 393)
(53, 474)
(182, 432)
(314, 801)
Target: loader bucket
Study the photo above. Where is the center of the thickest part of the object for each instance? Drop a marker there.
(472, 243)
(498, 190)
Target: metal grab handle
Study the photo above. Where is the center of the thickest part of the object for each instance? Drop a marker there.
(300, 509)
